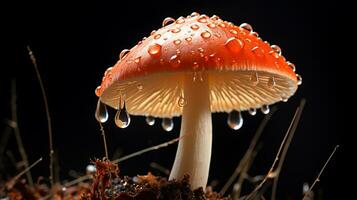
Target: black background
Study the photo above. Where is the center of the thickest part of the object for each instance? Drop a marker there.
(75, 42)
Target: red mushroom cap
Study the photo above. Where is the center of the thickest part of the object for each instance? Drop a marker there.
(244, 71)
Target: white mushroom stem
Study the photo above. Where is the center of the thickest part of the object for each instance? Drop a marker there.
(193, 155)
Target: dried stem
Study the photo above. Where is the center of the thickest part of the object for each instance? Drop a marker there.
(165, 144)
(12, 182)
(104, 140)
(248, 153)
(5, 135)
(285, 150)
(78, 180)
(283, 147)
(322, 170)
(16, 128)
(34, 63)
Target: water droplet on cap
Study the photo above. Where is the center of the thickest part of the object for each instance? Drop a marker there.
(154, 50)
(235, 45)
(180, 20)
(167, 21)
(123, 53)
(177, 42)
(246, 26)
(276, 48)
(194, 27)
(194, 14)
(233, 31)
(175, 30)
(98, 90)
(175, 61)
(202, 19)
(299, 79)
(188, 39)
(157, 36)
(271, 82)
(235, 120)
(254, 78)
(292, 66)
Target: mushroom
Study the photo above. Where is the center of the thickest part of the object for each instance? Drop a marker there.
(194, 66)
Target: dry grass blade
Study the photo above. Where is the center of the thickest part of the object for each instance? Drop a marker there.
(17, 134)
(34, 63)
(248, 153)
(282, 149)
(321, 171)
(12, 182)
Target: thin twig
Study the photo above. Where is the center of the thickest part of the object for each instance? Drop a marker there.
(104, 140)
(160, 168)
(291, 130)
(12, 182)
(322, 170)
(284, 152)
(14, 125)
(78, 180)
(165, 144)
(5, 135)
(248, 153)
(34, 63)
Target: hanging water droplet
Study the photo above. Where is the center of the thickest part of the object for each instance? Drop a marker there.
(175, 61)
(235, 120)
(194, 27)
(284, 99)
(276, 48)
(254, 78)
(299, 79)
(154, 50)
(291, 65)
(271, 82)
(246, 26)
(150, 120)
(252, 111)
(181, 101)
(101, 112)
(167, 21)
(235, 45)
(123, 53)
(98, 90)
(167, 124)
(122, 117)
(265, 109)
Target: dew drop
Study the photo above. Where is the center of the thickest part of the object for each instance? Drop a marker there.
(150, 120)
(177, 42)
(123, 53)
(180, 20)
(292, 66)
(246, 26)
(211, 25)
(157, 36)
(271, 82)
(265, 109)
(175, 30)
(217, 35)
(175, 61)
(101, 112)
(222, 25)
(153, 32)
(258, 51)
(276, 48)
(299, 79)
(122, 117)
(284, 99)
(234, 44)
(254, 34)
(214, 18)
(154, 50)
(137, 60)
(91, 169)
(108, 71)
(98, 90)
(194, 27)
(167, 21)
(235, 120)
(181, 101)
(252, 111)
(233, 31)
(167, 124)
(254, 78)
(194, 14)
(188, 39)
(202, 19)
